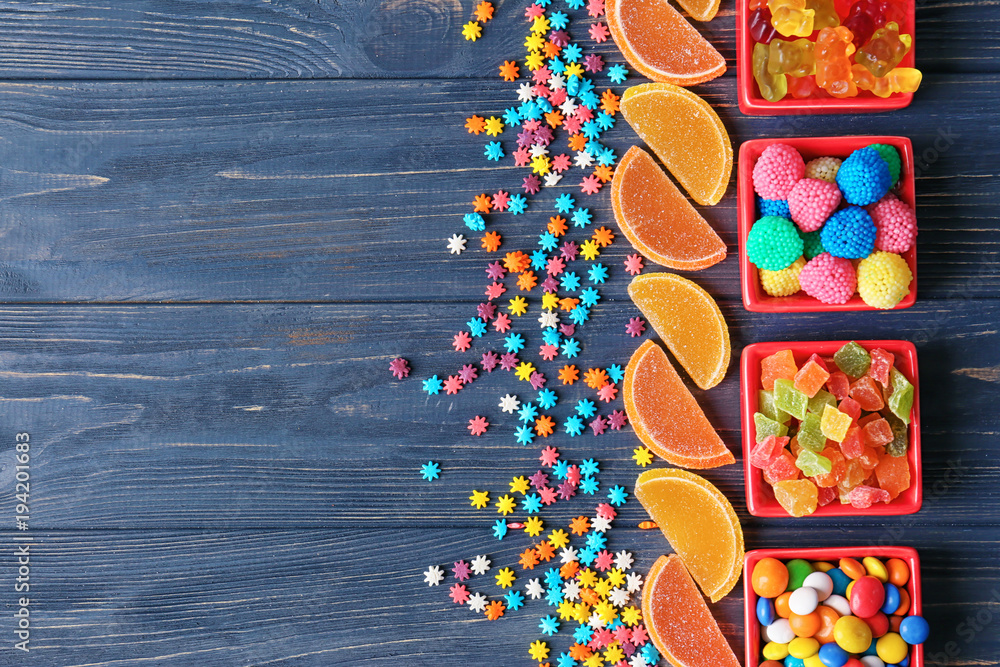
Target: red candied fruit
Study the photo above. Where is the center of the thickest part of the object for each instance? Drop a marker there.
(767, 451)
(827, 494)
(781, 470)
(867, 394)
(854, 443)
(838, 385)
(878, 432)
(881, 364)
(850, 407)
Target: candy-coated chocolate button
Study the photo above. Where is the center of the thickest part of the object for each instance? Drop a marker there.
(875, 568)
(892, 598)
(803, 647)
(833, 655)
(775, 651)
(821, 582)
(899, 571)
(852, 634)
(804, 601)
(839, 604)
(866, 596)
(765, 611)
(852, 568)
(914, 630)
(891, 648)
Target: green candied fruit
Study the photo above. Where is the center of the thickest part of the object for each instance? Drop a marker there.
(891, 157)
(821, 400)
(853, 360)
(900, 436)
(901, 398)
(773, 243)
(812, 246)
(766, 427)
(812, 464)
(790, 399)
(810, 435)
(765, 404)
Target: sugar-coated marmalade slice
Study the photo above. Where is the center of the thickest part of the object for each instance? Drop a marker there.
(700, 10)
(699, 523)
(686, 134)
(665, 415)
(657, 218)
(679, 622)
(661, 44)
(688, 320)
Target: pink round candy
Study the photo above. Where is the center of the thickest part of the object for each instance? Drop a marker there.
(867, 597)
(811, 202)
(895, 222)
(777, 170)
(829, 279)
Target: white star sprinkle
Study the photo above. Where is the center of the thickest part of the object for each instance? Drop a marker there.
(552, 178)
(571, 590)
(567, 554)
(433, 575)
(595, 621)
(600, 524)
(480, 565)
(456, 244)
(623, 560)
(525, 93)
(568, 107)
(638, 661)
(534, 589)
(583, 159)
(509, 403)
(633, 582)
(557, 81)
(538, 149)
(477, 602)
(618, 597)
(549, 319)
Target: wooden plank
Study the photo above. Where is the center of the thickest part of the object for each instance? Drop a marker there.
(279, 415)
(349, 597)
(216, 191)
(299, 39)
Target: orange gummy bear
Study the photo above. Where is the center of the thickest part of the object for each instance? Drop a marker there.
(686, 134)
(665, 415)
(778, 366)
(798, 497)
(688, 320)
(699, 523)
(679, 622)
(661, 44)
(893, 473)
(657, 218)
(833, 51)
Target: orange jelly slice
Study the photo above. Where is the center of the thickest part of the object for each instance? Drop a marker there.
(699, 523)
(657, 218)
(686, 134)
(688, 320)
(661, 44)
(678, 620)
(665, 415)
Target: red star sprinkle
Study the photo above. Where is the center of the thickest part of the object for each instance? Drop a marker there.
(599, 425)
(468, 373)
(462, 341)
(548, 495)
(549, 456)
(639, 636)
(502, 322)
(606, 511)
(478, 425)
(590, 184)
(459, 594)
(617, 419)
(608, 392)
(635, 327)
(633, 264)
(453, 384)
(522, 158)
(499, 201)
(533, 11)
(605, 561)
(495, 290)
(603, 637)
(400, 367)
(599, 32)
(573, 475)
(548, 352)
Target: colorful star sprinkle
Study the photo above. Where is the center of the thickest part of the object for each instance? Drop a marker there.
(430, 471)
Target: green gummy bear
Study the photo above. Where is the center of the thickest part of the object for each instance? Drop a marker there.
(853, 360)
(766, 427)
(765, 404)
(820, 400)
(811, 463)
(790, 399)
(810, 435)
(901, 399)
(900, 437)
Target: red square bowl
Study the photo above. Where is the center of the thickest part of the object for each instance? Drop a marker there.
(760, 497)
(752, 104)
(754, 297)
(906, 554)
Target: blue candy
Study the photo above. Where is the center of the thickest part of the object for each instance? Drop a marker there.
(892, 599)
(778, 207)
(792, 661)
(832, 655)
(914, 630)
(849, 233)
(765, 611)
(864, 177)
(840, 581)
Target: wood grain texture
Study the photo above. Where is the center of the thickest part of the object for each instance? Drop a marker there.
(236, 191)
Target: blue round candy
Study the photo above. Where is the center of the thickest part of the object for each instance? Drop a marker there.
(840, 581)
(892, 598)
(849, 233)
(832, 655)
(870, 650)
(791, 661)
(914, 630)
(864, 177)
(778, 207)
(905, 662)
(765, 611)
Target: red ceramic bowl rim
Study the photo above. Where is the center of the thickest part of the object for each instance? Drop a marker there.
(750, 560)
(751, 103)
(760, 500)
(754, 297)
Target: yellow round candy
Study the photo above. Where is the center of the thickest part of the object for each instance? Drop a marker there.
(775, 651)
(849, 587)
(852, 634)
(891, 648)
(822, 566)
(813, 661)
(784, 282)
(803, 647)
(876, 568)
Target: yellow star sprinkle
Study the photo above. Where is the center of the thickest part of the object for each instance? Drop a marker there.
(534, 61)
(642, 456)
(566, 609)
(594, 660)
(614, 653)
(573, 69)
(494, 126)
(590, 250)
(582, 613)
(605, 611)
(505, 578)
(505, 505)
(587, 578)
(472, 31)
(539, 650)
(533, 526)
(631, 616)
(615, 577)
(540, 25)
(603, 587)
(479, 499)
(534, 42)
(520, 485)
(518, 306)
(524, 370)
(559, 538)
(540, 164)
(550, 301)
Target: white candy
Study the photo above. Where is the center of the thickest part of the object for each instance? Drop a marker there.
(820, 581)
(839, 604)
(803, 601)
(872, 661)
(780, 632)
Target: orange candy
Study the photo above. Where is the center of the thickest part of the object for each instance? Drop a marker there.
(688, 320)
(811, 378)
(769, 578)
(828, 618)
(893, 473)
(679, 622)
(781, 607)
(806, 625)
(798, 497)
(778, 366)
(686, 134)
(899, 571)
(852, 568)
(665, 415)
(904, 606)
(661, 44)
(657, 218)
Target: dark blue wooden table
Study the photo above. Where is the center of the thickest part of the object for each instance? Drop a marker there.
(222, 220)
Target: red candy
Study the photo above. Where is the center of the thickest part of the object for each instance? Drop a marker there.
(838, 385)
(851, 407)
(867, 596)
(862, 497)
(767, 451)
(867, 394)
(881, 363)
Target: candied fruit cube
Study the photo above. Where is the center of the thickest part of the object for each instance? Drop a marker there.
(780, 365)
(867, 394)
(878, 432)
(798, 497)
(862, 496)
(834, 424)
(810, 435)
(821, 399)
(765, 427)
(765, 405)
(900, 436)
(870, 457)
(838, 468)
(893, 475)
(901, 398)
(852, 359)
(881, 363)
(790, 399)
(794, 445)
(839, 385)
(850, 407)
(782, 469)
(825, 495)
(767, 451)
(854, 443)
(811, 463)
(811, 378)
(820, 361)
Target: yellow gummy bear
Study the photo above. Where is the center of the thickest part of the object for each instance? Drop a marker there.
(791, 18)
(834, 423)
(898, 80)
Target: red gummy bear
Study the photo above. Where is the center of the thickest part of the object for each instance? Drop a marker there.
(761, 29)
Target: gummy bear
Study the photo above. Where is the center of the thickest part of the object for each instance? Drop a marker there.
(865, 15)
(794, 58)
(899, 80)
(802, 88)
(833, 64)
(791, 18)
(773, 87)
(826, 14)
(760, 26)
(885, 50)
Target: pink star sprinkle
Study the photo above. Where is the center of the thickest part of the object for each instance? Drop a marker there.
(489, 361)
(495, 271)
(533, 11)
(608, 392)
(537, 380)
(453, 384)
(593, 63)
(595, 8)
(605, 561)
(539, 479)
(461, 570)
(462, 341)
(635, 327)
(459, 594)
(573, 475)
(560, 163)
(599, 32)
(495, 291)
(633, 264)
(502, 323)
(508, 360)
(531, 184)
(548, 352)
(617, 419)
(522, 158)
(468, 373)
(599, 425)
(555, 266)
(590, 185)
(486, 311)
(478, 425)
(568, 250)
(548, 495)
(549, 456)
(606, 511)
(639, 636)
(400, 367)
(500, 199)
(549, 284)
(566, 491)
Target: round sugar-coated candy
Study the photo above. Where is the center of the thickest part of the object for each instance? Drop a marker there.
(872, 661)
(775, 651)
(781, 605)
(821, 566)
(828, 619)
(875, 568)
(792, 661)
(895, 621)
(811, 202)
(829, 279)
(805, 625)
(839, 604)
(849, 233)
(812, 244)
(804, 600)
(879, 623)
(780, 631)
(852, 568)
(798, 570)
(833, 655)
(803, 647)
(852, 634)
(765, 611)
(823, 168)
(778, 207)
(891, 157)
(769, 578)
(883, 279)
(813, 661)
(899, 571)
(777, 170)
(867, 596)
(771, 663)
(821, 582)
(892, 598)
(774, 243)
(854, 662)
(895, 224)
(864, 177)
(784, 282)
(840, 581)
(914, 629)
(904, 603)
(891, 648)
